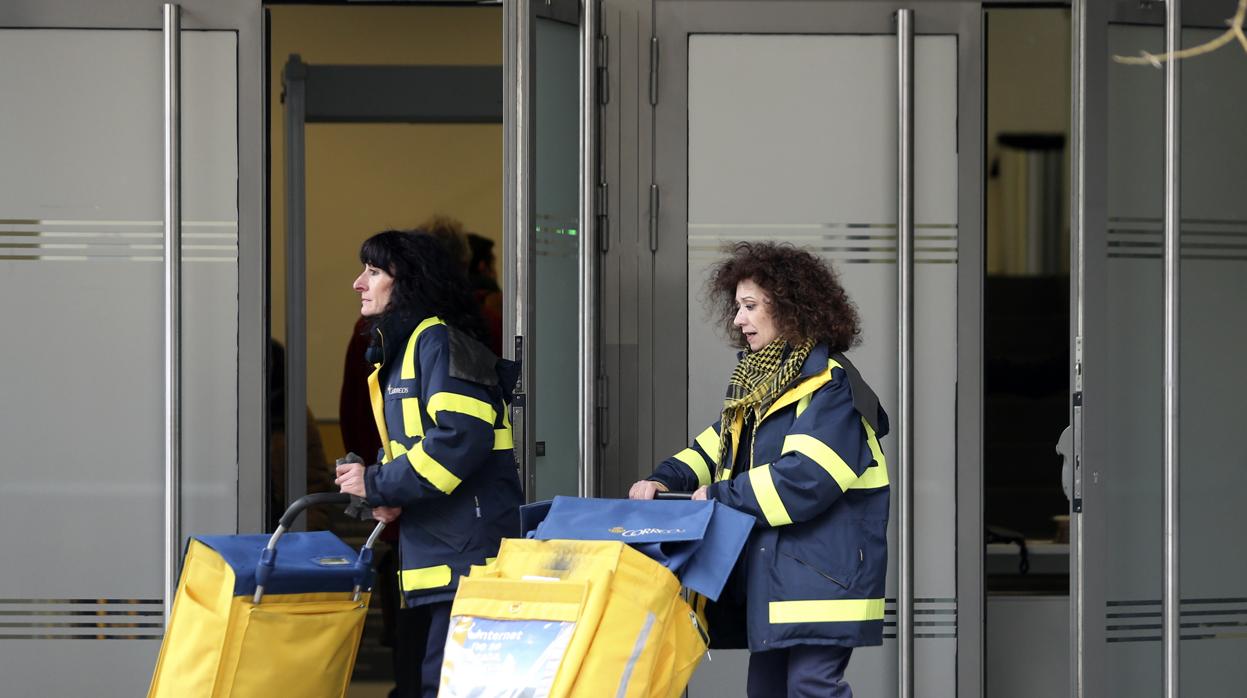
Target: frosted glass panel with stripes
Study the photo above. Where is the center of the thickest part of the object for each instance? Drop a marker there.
(793, 138)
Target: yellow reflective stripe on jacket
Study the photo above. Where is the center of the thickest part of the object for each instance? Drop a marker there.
(822, 454)
(425, 578)
(378, 412)
(453, 402)
(504, 438)
(768, 499)
(412, 423)
(709, 442)
(876, 475)
(430, 469)
(409, 356)
(803, 403)
(694, 460)
(829, 611)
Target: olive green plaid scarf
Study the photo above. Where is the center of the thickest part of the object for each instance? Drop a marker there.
(757, 382)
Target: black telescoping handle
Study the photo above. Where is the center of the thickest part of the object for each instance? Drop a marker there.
(673, 495)
(268, 557)
(311, 500)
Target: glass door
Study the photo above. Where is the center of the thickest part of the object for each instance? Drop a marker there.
(550, 242)
(1120, 577)
(92, 415)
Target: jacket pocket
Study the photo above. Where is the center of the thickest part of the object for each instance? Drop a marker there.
(841, 580)
(450, 520)
(834, 556)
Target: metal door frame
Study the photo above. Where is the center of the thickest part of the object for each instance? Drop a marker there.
(519, 232)
(674, 21)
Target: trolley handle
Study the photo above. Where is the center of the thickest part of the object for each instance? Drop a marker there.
(673, 495)
(310, 500)
(268, 558)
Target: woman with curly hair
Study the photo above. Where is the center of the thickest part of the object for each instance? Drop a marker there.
(797, 446)
(440, 399)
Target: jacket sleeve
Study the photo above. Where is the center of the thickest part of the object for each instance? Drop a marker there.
(694, 466)
(458, 443)
(823, 454)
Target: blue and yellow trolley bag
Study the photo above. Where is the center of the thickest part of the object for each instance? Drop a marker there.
(253, 617)
(583, 618)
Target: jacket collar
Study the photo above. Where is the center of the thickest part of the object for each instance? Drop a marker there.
(816, 362)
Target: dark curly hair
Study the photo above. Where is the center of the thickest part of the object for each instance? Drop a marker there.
(426, 281)
(807, 300)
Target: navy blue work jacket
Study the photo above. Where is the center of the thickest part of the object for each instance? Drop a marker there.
(817, 483)
(447, 459)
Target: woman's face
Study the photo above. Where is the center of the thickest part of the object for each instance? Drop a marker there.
(373, 287)
(753, 315)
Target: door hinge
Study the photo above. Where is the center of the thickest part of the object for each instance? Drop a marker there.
(604, 85)
(603, 222)
(653, 71)
(653, 217)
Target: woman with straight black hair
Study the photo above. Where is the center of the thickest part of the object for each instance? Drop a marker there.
(440, 399)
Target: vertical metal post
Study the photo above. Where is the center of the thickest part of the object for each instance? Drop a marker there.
(586, 329)
(173, 300)
(905, 346)
(519, 60)
(1171, 599)
(1078, 151)
(294, 79)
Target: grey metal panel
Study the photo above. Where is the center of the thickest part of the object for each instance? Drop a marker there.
(1028, 636)
(609, 302)
(971, 599)
(253, 330)
(404, 93)
(588, 337)
(627, 288)
(519, 61)
(294, 83)
(1088, 309)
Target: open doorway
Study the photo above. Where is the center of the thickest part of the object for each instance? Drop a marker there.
(368, 170)
(1025, 350)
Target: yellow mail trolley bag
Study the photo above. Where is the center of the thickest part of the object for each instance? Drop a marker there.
(570, 618)
(593, 616)
(259, 615)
